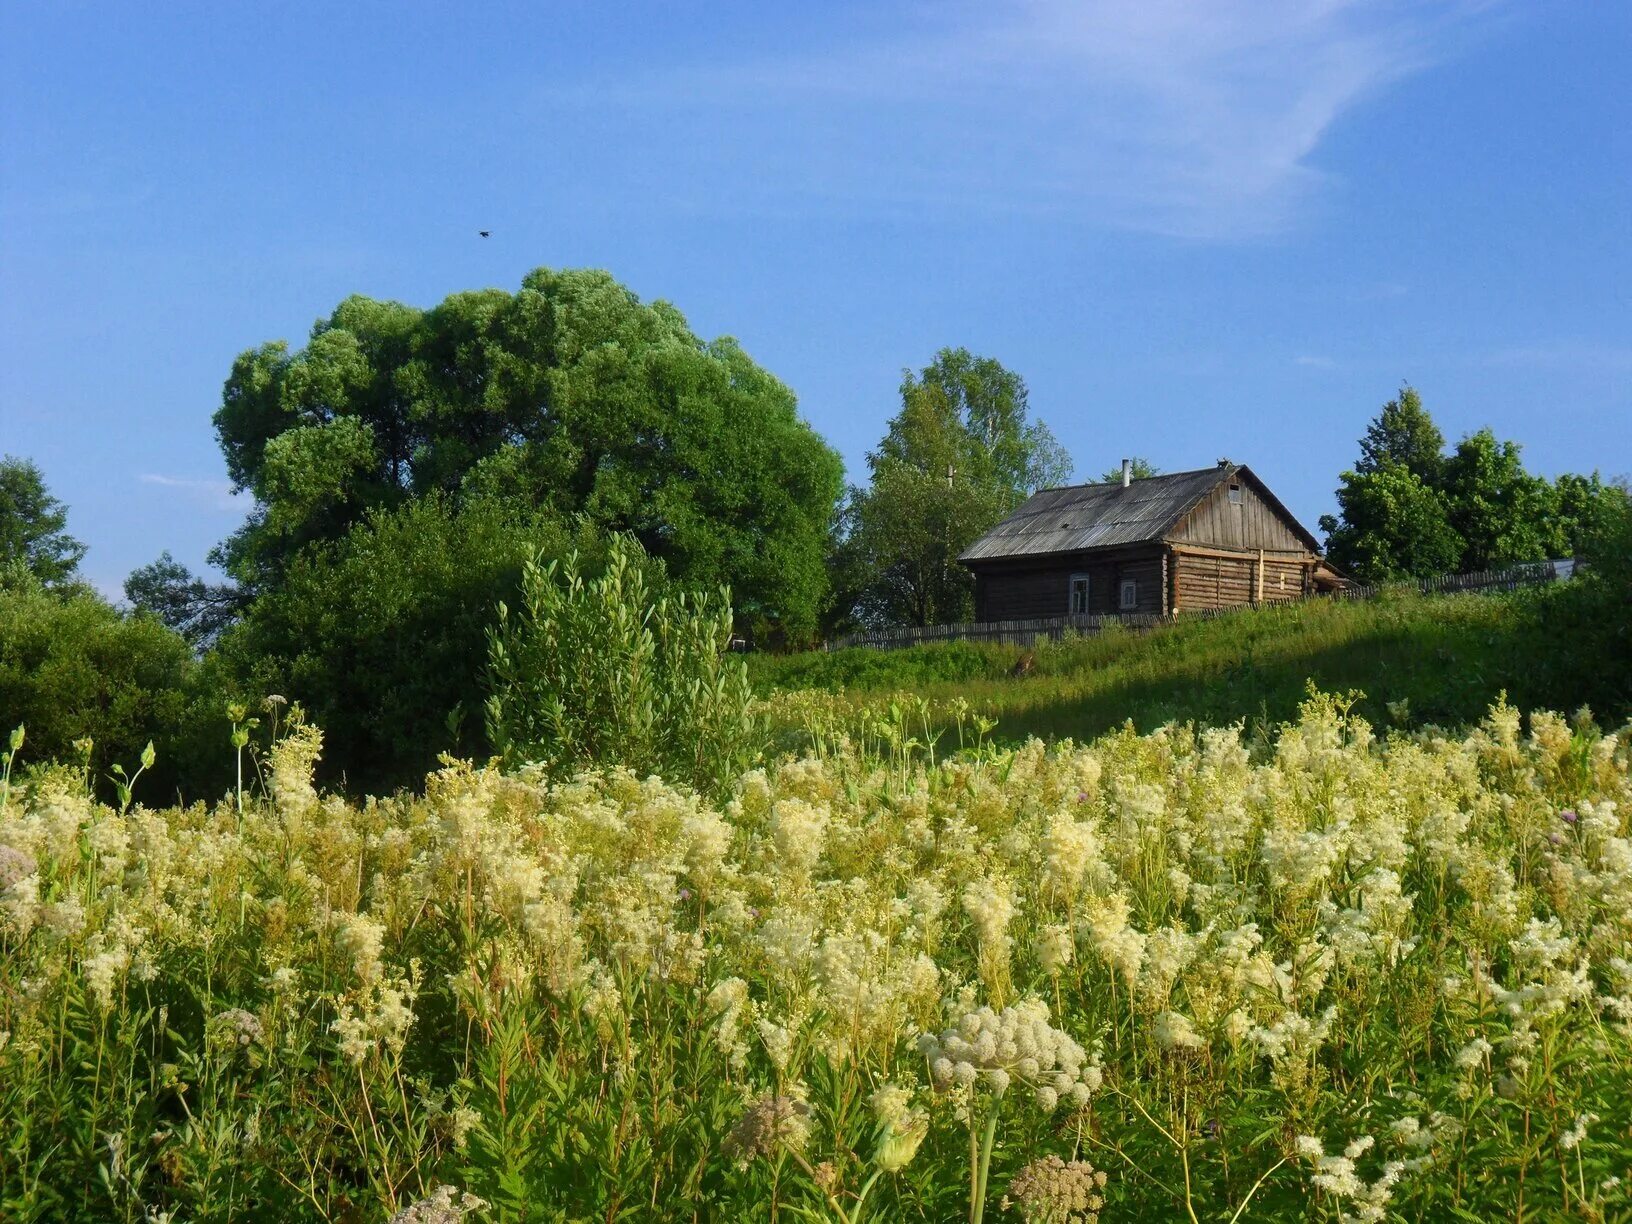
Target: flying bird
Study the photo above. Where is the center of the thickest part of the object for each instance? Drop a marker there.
(484, 233)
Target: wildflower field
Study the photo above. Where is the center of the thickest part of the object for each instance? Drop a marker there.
(1191, 975)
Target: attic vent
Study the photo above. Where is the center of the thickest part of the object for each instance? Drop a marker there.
(1235, 494)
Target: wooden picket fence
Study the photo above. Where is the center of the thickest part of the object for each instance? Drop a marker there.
(1510, 578)
(1053, 628)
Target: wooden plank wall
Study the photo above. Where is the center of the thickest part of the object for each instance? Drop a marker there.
(1147, 572)
(1018, 596)
(1285, 578)
(1252, 524)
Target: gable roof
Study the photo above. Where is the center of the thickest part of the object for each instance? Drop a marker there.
(1076, 518)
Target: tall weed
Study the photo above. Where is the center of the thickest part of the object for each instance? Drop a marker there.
(602, 672)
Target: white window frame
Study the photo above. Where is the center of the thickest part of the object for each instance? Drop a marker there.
(1236, 496)
(1071, 595)
(1128, 599)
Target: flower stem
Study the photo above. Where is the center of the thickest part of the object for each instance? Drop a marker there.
(977, 1203)
(855, 1212)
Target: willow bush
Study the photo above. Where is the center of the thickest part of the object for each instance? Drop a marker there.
(605, 671)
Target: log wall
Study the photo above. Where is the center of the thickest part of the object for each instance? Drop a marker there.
(1212, 578)
(1045, 589)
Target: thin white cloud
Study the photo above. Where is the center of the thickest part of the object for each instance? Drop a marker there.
(1315, 362)
(217, 494)
(1195, 118)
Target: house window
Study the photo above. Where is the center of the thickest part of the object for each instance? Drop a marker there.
(1235, 494)
(1079, 594)
(1130, 594)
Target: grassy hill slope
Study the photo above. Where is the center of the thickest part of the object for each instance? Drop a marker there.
(1445, 657)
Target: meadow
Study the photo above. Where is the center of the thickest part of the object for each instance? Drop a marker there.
(1417, 661)
(1320, 973)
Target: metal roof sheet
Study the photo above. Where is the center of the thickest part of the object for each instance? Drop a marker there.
(1079, 517)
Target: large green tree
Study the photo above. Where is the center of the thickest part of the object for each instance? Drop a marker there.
(1409, 510)
(1591, 517)
(569, 395)
(1503, 513)
(34, 526)
(959, 455)
(194, 608)
(1391, 525)
(1403, 435)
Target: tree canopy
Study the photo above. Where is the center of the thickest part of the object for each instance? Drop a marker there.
(194, 608)
(1391, 525)
(959, 455)
(1407, 509)
(1403, 435)
(1503, 513)
(34, 526)
(569, 395)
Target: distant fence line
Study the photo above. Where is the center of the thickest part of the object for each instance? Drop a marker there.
(1053, 628)
(1510, 578)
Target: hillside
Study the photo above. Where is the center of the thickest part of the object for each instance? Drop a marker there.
(1418, 659)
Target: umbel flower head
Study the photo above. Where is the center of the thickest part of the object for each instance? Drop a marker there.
(1055, 1191)
(1018, 1043)
(444, 1205)
(236, 1027)
(771, 1122)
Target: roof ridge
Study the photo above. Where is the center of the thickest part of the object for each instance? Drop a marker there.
(1117, 484)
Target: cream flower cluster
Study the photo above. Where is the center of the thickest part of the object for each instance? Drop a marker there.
(769, 1124)
(1057, 1191)
(1015, 1045)
(444, 1205)
(1450, 911)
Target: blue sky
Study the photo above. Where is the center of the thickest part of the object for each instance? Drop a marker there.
(1197, 227)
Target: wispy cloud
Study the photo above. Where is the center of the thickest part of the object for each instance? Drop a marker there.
(216, 494)
(1314, 362)
(1195, 118)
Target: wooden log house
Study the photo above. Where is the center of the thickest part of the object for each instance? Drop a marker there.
(1186, 541)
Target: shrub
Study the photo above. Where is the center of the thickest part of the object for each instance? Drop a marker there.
(591, 674)
(73, 668)
(382, 637)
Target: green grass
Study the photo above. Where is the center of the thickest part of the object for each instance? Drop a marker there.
(1445, 657)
